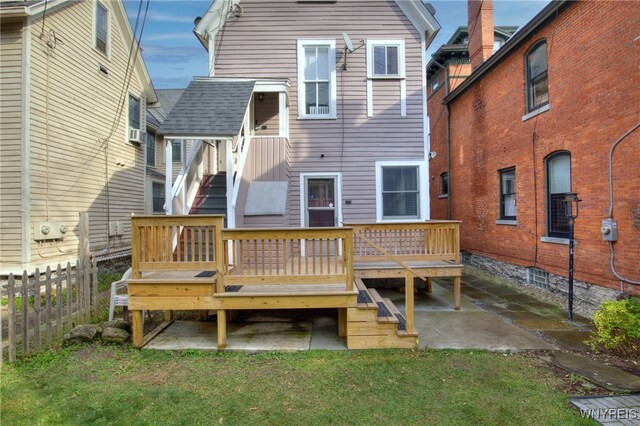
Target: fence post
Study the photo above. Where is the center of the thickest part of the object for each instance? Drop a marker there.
(47, 317)
(69, 296)
(59, 300)
(36, 310)
(84, 254)
(12, 318)
(25, 312)
(79, 293)
(94, 264)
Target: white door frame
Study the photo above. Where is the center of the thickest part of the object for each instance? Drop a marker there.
(303, 195)
(303, 199)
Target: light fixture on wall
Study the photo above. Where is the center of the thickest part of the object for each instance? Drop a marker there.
(260, 97)
(348, 48)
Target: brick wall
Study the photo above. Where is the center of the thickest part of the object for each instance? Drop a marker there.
(594, 96)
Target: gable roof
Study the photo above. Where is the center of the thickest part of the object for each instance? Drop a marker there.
(209, 107)
(420, 14)
(167, 99)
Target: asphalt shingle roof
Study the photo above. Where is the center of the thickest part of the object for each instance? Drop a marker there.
(209, 107)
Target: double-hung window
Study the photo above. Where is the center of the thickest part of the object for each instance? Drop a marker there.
(151, 149)
(398, 187)
(317, 79)
(135, 113)
(558, 185)
(102, 28)
(508, 194)
(386, 60)
(444, 184)
(158, 195)
(537, 78)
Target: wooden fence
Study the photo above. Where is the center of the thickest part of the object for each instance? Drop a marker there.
(43, 306)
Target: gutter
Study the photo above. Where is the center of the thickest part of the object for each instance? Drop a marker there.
(447, 125)
(519, 37)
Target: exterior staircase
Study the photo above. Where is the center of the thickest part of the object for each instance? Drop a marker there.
(212, 196)
(376, 322)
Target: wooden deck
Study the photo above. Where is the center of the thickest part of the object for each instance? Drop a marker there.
(192, 263)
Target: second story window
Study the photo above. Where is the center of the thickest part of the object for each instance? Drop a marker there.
(508, 194)
(102, 28)
(176, 151)
(537, 79)
(151, 149)
(316, 79)
(385, 59)
(134, 113)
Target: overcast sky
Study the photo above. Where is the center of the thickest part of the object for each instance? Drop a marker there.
(173, 54)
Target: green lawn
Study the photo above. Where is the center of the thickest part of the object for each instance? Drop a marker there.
(107, 385)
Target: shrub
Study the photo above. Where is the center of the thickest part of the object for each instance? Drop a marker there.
(617, 326)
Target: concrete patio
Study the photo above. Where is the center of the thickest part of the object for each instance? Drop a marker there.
(438, 325)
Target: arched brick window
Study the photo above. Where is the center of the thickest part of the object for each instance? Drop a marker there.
(558, 167)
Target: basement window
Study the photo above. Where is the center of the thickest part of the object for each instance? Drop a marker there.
(538, 278)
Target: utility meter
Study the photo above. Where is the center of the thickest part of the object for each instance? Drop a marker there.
(609, 230)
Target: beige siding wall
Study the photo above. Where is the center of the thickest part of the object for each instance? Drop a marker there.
(77, 163)
(263, 43)
(10, 105)
(266, 162)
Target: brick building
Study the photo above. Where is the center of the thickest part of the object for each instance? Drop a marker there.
(516, 130)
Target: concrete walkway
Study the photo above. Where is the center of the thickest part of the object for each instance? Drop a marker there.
(609, 410)
(547, 320)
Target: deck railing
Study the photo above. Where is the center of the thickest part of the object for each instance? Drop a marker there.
(289, 256)
(431, 240)
(197, 242)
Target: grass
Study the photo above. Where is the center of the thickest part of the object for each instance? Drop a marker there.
(107, 385)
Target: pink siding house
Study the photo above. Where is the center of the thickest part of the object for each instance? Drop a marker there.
(313, 114)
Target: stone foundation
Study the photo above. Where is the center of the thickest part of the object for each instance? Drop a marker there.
(587, 297)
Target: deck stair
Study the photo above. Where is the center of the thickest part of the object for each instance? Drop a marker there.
(212, 195)
(377, 322)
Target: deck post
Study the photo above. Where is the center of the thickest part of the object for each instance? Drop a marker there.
(409, 296)
(136, 328)
(342, 322)
(456, 292)
(429, 287)
(168, 315)
(222, 329)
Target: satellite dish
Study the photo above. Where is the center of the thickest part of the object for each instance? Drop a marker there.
(347, 42)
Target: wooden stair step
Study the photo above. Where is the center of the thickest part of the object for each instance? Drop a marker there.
(402, 321)
(365, 300)
(384, 313)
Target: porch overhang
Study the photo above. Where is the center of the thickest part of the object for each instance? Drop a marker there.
(209, 109)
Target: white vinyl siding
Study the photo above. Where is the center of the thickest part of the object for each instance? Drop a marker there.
(317, 79)
(71, 118)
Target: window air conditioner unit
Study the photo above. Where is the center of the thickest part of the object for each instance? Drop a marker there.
(135, 135)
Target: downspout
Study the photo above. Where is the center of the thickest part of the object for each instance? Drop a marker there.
(447, 126)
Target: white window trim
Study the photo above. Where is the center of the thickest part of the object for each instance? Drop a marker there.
(332, 79)
(150, 197)
(155, 150)
(423, 188)
(143, 123)
(401, 74)
(95, 29)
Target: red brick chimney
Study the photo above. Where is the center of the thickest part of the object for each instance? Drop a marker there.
(480, 31)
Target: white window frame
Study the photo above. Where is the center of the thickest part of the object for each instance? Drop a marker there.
(152, 181)
(423, 189)
(142, 122)
(400, 76)
(331, 43)
(147, 136)
(107, 54)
